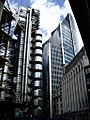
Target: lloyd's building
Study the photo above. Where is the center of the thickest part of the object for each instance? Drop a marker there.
(29, 60)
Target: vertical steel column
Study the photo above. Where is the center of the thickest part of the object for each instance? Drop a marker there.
(27, 49)
(50, 80)
(19, 74)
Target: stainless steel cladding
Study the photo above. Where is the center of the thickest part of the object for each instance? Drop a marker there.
(38, 44)
(38, 101)
(38, 111)
(35, 20)
(38, 58)
(37, 83)
(38, 92)
(38, 74)
(38, 51)
(36, 68)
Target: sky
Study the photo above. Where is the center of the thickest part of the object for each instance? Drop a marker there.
(52, 12)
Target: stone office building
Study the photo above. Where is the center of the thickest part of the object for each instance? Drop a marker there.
(74, 89)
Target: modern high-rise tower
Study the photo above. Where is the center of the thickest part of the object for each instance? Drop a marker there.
(69, 39)
(59, 50)
(52, 68)
(7, 64)
(29, 68)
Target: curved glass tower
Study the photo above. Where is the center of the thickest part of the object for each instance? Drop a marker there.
(60, 49)
(69, 38)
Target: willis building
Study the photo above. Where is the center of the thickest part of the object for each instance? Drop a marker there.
(58, 51)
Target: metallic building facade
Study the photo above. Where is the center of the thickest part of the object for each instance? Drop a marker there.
(29, 72)
(7, 65)
(21, 63)
(7, 57)
(35, 93)
(21, 54)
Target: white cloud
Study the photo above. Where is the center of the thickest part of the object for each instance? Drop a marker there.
(66, 8)
(50, 15)
(13, 5)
